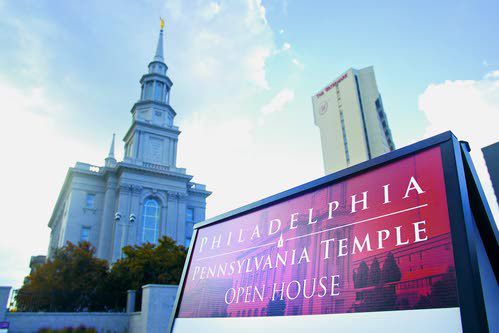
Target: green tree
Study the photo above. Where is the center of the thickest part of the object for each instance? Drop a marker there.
(360, 275)
(144, 264)
(390, 271)
(374, 273)
(68, 282)
(75, 280)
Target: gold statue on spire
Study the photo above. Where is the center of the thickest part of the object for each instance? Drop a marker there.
(161, 23)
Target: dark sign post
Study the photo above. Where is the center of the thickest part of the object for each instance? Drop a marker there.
(406, 239)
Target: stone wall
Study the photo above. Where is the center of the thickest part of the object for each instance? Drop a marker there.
(135, 323)
(157, 305)
(4, 300)
(31, 322)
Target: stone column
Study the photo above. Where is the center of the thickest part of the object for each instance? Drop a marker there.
(182, 206)
(174, 154)
(144, 141)
(199, 214)
(130, 301)
(4, 299)
(157, 305)
(167, 151)
(107, 221)
(135, 209)
(164, 219)
(171, 215)
(136, 145)
(123, 209)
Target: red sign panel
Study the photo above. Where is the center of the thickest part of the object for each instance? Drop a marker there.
(377, 241)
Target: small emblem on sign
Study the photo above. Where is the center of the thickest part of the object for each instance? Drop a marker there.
(280, 243)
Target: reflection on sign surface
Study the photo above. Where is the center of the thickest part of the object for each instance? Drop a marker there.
(378, 241)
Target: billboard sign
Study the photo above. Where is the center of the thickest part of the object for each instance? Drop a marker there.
(372, 246)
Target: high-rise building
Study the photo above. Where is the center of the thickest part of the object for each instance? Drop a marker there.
(491, 156)
(141, 198)
(352, 122)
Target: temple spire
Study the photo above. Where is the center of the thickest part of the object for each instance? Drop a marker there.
(110, 160)
(159, 49)
(111, 149)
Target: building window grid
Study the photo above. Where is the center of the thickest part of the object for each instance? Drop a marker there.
(150, 221)
(363, 117)
(384, 123)
(343, 128)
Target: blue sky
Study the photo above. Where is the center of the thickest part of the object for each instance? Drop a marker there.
(243, 72)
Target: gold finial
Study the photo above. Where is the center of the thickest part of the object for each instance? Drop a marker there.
(161, 23)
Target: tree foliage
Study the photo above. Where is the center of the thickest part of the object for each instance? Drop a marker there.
(145, 264)
(75, 280)
(390, 271)
(374, 273)
(67, 282)
(149, 263)
(360, 276)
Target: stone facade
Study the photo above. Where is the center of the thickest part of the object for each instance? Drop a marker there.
(141, 198)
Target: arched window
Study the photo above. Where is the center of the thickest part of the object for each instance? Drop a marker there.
(150, 221)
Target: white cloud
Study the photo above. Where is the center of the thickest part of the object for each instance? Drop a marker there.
(223, 143)
(297, 63)
(215, 7)
(470, 108)
(281, 31)
(229, 51)
(286, 46)
(254, 66)
(256, 9)
(492, 75)
(36, 157)
(279, 101)
(211, 10)
(242, 162)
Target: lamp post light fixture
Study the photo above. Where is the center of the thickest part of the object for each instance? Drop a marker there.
(124, 228)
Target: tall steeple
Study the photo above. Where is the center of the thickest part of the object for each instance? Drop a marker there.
(155, 84)
(157, 65)
(110, 160)
(159, 49)
(152, 138)
(111, 149)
